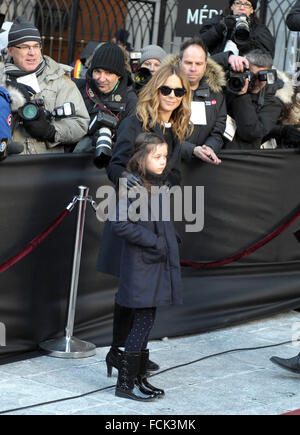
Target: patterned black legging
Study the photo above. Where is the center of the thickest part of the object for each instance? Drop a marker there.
(138, 337)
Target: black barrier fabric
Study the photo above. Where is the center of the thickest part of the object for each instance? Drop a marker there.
(245, 198)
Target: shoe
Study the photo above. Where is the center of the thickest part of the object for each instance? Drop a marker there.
(291, 364)
(126, 385)
(113, 359)
(142, 381)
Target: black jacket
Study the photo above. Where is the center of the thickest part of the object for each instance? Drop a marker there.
(210, 92)
(293, 17)
(257, 114)
(122, 102)
(128, 130)
(216, 38)
(111, 244)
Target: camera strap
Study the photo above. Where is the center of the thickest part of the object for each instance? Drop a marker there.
(261, 100)
(102, 106)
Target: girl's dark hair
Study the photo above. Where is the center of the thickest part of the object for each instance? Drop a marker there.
(144, 143)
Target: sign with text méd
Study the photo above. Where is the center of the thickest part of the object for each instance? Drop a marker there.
(192, 13)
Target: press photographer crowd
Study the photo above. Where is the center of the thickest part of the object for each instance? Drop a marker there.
(140, 111)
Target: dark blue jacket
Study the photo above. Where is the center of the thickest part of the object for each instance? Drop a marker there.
(111, 245)
(5, 114)
(150, 270)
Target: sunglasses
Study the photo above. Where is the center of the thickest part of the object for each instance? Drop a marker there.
(166, 90)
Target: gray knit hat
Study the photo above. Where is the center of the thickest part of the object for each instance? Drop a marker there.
(21, 31)
(152, 52)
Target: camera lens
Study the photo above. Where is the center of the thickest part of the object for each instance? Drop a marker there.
(30, 111)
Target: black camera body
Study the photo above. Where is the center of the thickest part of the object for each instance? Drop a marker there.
(105, 124)
(33, 109)
(242, 28)
(142, 77)
(237, 80)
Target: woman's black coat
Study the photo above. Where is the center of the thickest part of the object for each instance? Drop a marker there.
(149, 271)
(111, 244)
(260, 37)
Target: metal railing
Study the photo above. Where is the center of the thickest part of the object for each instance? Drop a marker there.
(67, 26)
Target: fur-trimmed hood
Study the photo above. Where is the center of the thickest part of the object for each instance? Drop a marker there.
(17, 98)
(214, 74)
(286, 92)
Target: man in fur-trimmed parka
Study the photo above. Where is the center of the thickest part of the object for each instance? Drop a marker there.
(208, 112)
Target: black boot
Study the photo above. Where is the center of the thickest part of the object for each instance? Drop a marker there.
(291, 364)
(113, 359)
(126, 384)
(142, 382)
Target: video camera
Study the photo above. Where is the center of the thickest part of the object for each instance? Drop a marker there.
(106, 125)
(32, 110)
(242, 30)
(237, 80)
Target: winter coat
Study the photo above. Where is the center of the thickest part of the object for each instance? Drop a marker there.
(210, 92)
(129, 128)
(121, 102)
(57, 88)
(260, 37)
(257, 114)
(5, 114)
(293, 17)
(149, 271)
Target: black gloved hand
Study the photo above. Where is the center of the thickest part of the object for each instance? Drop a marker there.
(220, 28)
(132, 180)
(230, 22)
(40, 128)
(290, 135)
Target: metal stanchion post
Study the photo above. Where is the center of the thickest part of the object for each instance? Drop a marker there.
(69, 346)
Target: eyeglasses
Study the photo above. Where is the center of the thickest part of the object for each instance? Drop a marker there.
(166, 90)
(240, 4)
(27, 48)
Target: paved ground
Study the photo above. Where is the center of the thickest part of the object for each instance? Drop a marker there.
(210, 379)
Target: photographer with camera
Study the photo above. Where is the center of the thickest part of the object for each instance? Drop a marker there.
(256, 97)
(238, 29)
(151, 59)
(47, 86)
(109, 97)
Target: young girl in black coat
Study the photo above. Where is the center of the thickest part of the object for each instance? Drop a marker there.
(150, 270)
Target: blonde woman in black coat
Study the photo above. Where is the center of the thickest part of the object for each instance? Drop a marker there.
(166, 112)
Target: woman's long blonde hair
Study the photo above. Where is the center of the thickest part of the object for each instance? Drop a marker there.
(148, 104)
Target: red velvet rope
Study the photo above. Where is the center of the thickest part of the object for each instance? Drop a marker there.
(246, 252)
(34, 243)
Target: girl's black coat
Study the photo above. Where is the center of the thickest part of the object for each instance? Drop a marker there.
(149, 269)
(111, 244)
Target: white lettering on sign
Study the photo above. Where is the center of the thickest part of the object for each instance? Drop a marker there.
(197, 16)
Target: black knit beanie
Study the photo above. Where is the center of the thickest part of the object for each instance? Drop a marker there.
(21, 31)
(110, 57)
(253, 2)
